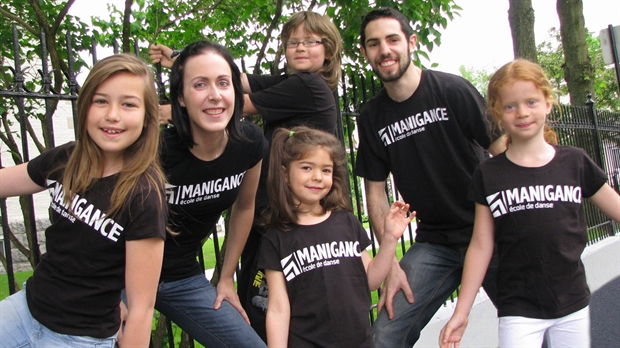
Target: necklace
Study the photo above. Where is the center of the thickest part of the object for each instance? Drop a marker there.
(206, 154)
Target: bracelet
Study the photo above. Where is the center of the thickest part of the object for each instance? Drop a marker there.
(176, 53)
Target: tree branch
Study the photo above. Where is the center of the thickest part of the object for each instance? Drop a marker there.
(20, 21)
(272, 26)
(61, 16)
(7, 138)
(167, 24)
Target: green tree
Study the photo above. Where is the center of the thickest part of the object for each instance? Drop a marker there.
(605, 86)
(478, 77)
(250, 28)
(551, 57)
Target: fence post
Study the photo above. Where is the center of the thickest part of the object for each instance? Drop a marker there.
(72, 83)
(19, 80)
(597, 135)
(600, 151)
(46, 82)
(8, 257)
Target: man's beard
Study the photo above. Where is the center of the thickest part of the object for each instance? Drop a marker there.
(399, 74)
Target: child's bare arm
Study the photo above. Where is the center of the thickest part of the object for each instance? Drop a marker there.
(278, 310)
(477, 260)
(608, 201)
(15, 181)
(395, 224)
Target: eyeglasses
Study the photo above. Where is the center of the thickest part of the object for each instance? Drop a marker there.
(306, 43)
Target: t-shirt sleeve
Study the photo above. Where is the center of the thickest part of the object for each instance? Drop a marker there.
(148, 213)
(262, 82)
(593, 176)
(361, 232)
(284, 100)
(269, 253)
(371, 162)
(260, 145)
(40, 167)
(473, 118)
(476, 189)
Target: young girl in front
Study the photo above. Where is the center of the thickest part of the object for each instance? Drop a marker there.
(314, 250)
(528, 201)
(108, 218)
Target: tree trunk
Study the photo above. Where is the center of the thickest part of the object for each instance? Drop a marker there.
(126, 27)
(521, 18)
(578, 71)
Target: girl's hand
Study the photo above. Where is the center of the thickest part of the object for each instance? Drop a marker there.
(159, 53)
(452, 333)
(165, 114)
(397, 220)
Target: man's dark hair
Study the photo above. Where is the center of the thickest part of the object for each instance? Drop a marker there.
(385, 12)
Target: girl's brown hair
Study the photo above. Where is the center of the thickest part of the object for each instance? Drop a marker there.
(330, 36)
(140, 159)
(295, 144)
(519, 70)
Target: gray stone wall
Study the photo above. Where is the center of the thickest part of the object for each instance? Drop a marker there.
(20, 262)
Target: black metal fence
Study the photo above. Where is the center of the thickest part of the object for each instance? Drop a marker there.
(596, 131)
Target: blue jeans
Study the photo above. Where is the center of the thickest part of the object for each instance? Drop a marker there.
(189, 303)
(434, 272)
(19, 329)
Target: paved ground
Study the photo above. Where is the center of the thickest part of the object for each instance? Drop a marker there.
(602, 263)
(605, 315)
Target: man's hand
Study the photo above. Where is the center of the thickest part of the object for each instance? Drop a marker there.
(395, 281)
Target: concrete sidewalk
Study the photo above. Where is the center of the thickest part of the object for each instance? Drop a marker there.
(602, 263)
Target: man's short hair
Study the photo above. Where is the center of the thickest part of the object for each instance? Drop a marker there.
(385, 12)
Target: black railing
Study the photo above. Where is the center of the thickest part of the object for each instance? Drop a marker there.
(597, 131)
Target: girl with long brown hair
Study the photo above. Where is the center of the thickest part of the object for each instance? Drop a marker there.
(314, 251)
(108, 219)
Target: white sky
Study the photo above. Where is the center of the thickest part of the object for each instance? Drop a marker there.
(480, 38)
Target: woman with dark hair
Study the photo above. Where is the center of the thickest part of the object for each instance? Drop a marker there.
(212, 161)
(312, 46)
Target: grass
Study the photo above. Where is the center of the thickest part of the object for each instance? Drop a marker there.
(208, 251)
(20, 278)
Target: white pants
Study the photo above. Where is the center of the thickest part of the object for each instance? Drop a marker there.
(572, 330)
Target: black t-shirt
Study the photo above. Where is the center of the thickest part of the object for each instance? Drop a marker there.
(431, 143)
(199, 191)
(75, 289)
(287, 101)
(540, 231)
(302, 99)
(326, 280)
